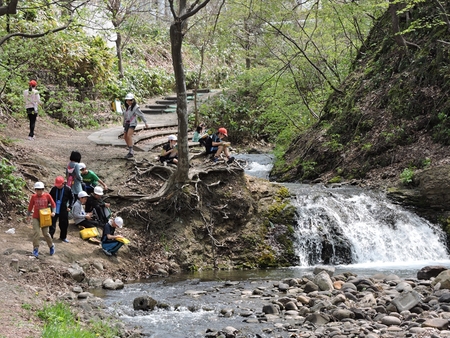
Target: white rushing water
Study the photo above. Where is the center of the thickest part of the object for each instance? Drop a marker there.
(377, 231)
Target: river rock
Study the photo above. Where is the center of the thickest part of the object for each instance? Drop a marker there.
(390, 320)
(270, 309)
(430, 271)
(443, 279)
(437, 323)
(77, 273)
(112, 285)
(323, 281)
(406, 301)
(145, 303)
(328, 269)
(310, 287)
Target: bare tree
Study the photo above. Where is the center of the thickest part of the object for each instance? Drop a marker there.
(177, 32)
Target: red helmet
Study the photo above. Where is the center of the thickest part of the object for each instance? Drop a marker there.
(33, 83)
(223, 131)
(59, 180)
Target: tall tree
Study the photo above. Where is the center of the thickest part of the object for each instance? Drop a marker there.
(177, 32)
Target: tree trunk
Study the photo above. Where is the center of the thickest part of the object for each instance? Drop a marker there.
(399, 39)
(176, 39)
(119, 54)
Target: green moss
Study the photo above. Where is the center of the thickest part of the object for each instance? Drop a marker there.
(335, 179)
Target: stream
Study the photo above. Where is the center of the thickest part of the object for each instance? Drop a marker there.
(354, 230)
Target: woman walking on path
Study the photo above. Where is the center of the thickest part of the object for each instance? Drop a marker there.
(32, 101)
(132, 112)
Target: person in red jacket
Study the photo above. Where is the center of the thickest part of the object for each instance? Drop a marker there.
(40, 200)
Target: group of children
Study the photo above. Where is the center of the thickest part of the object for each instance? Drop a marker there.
(80, 195)
(213, 144)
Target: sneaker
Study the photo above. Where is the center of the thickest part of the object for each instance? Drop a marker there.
(107, 253)
(129, 155)
(80, 227)
(65, 240)
(30, 138)
(165, 163)
(36, 252)
(230, 160)
(215, 159)
(52, 250)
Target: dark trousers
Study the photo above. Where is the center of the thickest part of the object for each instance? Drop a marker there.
(32, 117)
(63, 225)
(88, 224)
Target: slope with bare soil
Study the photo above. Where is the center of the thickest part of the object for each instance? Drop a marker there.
(175, 233)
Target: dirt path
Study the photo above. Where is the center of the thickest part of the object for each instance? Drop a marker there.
(36, 281)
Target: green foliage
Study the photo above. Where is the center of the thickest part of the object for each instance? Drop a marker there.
(10, 185)
(60, 322)
(407, 175)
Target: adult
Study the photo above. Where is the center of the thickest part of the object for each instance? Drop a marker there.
(97, 206)
(215, 145)
(169, 154)
(73, 174)
(110, 244)
(90, 179)
(81, 218)
(132, 112)
(62, 195)
(40, 200)
(32, 101)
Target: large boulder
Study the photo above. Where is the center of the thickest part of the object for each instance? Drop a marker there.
(430, 271)
(144, 303)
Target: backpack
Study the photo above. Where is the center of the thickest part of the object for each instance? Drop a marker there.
(70, 176)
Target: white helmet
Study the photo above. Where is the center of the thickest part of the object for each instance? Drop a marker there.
(129, 96)
(82, 194)
(98, 190)
(81, 165)
(172, 138)
(39, 185)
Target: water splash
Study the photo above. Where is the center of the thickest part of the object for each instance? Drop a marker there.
(355, 226)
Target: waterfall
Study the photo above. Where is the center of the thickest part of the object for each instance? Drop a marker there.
(349, 225)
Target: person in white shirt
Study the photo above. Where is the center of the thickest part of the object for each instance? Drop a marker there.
(32, 101)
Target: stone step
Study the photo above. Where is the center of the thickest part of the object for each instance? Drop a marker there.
(157, 106)
(152, 111)
(166, 102)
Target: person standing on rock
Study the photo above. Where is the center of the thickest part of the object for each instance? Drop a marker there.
(110, 244)
(32, 101)
(62, 195)
(132, 112)
(40, 200)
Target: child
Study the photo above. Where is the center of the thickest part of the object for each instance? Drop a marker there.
(62, 195)
(110, 245)
(40, 200)
(90, 179)
(169, 153)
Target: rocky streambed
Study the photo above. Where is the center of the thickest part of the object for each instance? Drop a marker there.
(320, 304)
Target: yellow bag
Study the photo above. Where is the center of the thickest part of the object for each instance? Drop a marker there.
(122, 240)
(88, 233)
(45, 217)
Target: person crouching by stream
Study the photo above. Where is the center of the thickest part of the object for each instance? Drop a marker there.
(40, 200)
(110, 244)
(132, 112)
